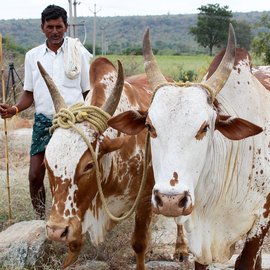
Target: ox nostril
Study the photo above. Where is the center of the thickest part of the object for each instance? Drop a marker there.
(65, 232)
(183, 202)
(158, 201)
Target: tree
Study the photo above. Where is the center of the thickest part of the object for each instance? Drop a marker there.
(243, 33)
(212, 26)
(261, 43)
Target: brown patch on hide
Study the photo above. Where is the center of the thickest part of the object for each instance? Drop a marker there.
(267, 206)
(61, 194)
(126, 152)
(263, 76)
(98, 70)
(174, 181)
(135, 91)
(241, 54)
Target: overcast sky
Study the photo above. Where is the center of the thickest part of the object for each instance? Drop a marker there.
(23, 9)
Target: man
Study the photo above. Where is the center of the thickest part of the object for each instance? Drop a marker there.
(67, 62)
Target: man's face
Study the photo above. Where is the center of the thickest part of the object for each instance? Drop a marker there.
(54, 31)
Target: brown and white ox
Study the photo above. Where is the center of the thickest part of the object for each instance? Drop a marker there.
(76, 206)
(211, 171)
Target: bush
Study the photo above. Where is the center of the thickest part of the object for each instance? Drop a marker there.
(188, 75)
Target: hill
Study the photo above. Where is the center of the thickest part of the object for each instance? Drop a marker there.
(170, 33)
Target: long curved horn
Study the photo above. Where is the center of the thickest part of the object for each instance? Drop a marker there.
(114, 98)
(58, 100)
(222, 73)
(152, 70)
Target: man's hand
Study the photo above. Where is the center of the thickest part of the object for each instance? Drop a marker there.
(7, 111)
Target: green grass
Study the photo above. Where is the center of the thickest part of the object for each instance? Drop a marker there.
(170, 65)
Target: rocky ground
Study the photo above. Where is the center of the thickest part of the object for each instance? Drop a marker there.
(117, 249)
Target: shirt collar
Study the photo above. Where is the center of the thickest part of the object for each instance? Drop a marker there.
(47, 50)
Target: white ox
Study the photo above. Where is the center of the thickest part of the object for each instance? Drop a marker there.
(211, 171)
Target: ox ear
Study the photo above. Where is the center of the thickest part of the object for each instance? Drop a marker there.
(130, 122)
(236, 128)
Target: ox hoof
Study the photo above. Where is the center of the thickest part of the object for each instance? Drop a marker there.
(71, 258)
(181, 256)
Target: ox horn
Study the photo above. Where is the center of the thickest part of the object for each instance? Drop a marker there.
(114, 98)
(222, 73)
(152, 70)
(58, 100)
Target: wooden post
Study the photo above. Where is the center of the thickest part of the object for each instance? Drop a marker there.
(5, 128)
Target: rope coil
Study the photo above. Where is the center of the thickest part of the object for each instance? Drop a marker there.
(79, 113)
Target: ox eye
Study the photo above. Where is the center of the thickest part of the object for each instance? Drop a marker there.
(205, 128)
(89, 166)
(202, 131)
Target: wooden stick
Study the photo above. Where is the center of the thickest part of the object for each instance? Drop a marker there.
(5, 128)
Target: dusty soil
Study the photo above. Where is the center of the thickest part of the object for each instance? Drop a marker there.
(117, 249)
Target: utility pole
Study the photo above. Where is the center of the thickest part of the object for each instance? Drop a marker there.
(94, 31)
(75, 3)
(70, 28)
(102, 40)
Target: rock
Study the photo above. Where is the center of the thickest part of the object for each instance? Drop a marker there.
(91, 265)
(22, 243)
(156, 265)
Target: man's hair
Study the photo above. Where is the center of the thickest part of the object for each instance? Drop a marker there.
(53, 12)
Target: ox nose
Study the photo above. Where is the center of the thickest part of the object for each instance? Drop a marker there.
(172, 205)
(56, 233)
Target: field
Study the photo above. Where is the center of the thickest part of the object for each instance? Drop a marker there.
(171, 66)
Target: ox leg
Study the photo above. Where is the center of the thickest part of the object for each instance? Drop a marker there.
(74, 251)
(199, 266)
(141, 234)
(250, 257)
(181, 246)
(258, 265)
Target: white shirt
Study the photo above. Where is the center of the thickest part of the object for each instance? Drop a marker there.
(70, 89)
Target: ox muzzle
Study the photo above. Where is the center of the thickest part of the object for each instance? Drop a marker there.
(65, 231)
(57, 233)
(172, 205)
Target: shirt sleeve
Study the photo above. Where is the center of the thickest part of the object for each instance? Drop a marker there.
(85, 80)
(28, 78)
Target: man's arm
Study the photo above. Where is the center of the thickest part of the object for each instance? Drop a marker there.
(25, 101)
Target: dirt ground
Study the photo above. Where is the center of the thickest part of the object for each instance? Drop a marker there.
(19, 138)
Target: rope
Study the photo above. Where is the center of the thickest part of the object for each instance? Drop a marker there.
(66, 118)
(209, 89)
(79, 113)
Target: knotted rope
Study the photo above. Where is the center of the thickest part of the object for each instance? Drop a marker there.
(78, 113)
(66, 118)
